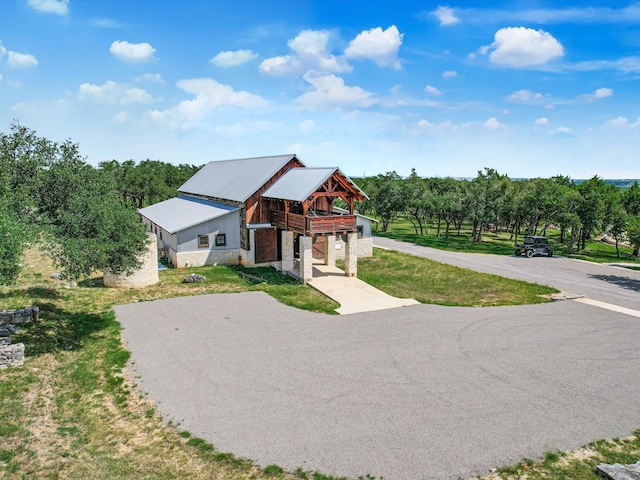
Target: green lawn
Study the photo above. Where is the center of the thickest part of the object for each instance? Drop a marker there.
(405, 276)
(501, 243)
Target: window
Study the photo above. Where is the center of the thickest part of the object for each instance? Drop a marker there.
(221, 239)
(203, 241)
(360, 230)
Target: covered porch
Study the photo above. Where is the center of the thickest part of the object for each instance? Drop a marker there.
(300, 205)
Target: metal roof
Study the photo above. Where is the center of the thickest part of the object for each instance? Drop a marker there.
(182, 212)
(299, 183)
(235, 180)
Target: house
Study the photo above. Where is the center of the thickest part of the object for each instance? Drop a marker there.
(261, 210)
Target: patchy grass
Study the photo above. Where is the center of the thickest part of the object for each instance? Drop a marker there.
(579, 465)
(406, 276)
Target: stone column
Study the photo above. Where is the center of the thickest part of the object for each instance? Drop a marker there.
(351, 255)
(330, 250)
(306, 258)
(251, 254)
(287, 251)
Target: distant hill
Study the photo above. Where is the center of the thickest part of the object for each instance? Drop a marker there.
(622, 183)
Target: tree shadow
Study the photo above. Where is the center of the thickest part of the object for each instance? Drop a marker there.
(58, 330)
(34, 292)
(624, 282)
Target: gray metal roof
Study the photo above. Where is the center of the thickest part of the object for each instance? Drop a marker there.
(182, 212)
(234, 180)
(298, 183)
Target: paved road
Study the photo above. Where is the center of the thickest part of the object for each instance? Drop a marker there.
(420, 392)
(615, 285)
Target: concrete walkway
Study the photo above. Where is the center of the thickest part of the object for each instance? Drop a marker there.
(353, 295)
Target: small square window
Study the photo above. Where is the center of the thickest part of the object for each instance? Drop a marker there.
(203, 241)
(221, 239)
(360, 230)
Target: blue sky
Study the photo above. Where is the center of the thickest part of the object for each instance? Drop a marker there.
(530, 88)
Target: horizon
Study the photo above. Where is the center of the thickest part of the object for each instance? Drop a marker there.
(443, 88)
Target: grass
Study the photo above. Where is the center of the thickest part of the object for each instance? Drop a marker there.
(578, 465)
(406, 276)
(501, 243)
(73, 410)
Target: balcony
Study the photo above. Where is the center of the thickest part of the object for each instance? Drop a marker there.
(316, 223)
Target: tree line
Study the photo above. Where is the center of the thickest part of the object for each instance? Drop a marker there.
(84, 217)
(442, 205)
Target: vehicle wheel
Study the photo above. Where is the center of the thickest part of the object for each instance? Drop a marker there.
(518, 253)
(529, 253)
(549, 253)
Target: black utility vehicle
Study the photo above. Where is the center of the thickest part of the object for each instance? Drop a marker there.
(534, 245)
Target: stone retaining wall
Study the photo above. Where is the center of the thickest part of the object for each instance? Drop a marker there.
(18, 317)
(11, 355)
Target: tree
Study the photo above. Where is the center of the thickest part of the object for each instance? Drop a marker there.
(633, 232)
(387, 198)
(48, 190)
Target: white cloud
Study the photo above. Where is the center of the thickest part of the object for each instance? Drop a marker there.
(309, 53)
(564, 130)
(625, 65)
(132, 52)
(378, 45)
(58, 7)
(1, 77)
(21, 60)
(209, 97)
(446, 16)
(492, 123)
(432, 90)
(279, 65)
(307, 126)
(616, 122)
(525, 96)
(520, 47)
(425, 126)
(330, 91)
(542, 121)
(449, 74)
(636, 124)
(150, 77)
(233, 58)
(603, 93)
(112, 92)
(3, 51)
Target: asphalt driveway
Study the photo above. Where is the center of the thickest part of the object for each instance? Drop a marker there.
(420, 392)
(604, 283)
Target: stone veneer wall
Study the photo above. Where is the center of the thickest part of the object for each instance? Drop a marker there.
(146, 275)
(17, 317)
(364, 248)
(208, 257)
(13, 355)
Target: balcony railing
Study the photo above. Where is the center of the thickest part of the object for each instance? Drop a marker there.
(314, 224)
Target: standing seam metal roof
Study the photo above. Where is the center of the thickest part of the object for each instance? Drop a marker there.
(299, 183)
(235, 180)
(182, 212)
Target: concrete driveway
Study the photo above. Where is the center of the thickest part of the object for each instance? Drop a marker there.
(421, 392)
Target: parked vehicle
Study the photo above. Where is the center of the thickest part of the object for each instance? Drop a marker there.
(534, 245)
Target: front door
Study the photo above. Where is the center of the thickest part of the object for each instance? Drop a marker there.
(266, 245)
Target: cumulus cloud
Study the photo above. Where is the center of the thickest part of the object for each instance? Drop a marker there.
(132, 52)
(449, 74)
(621, 122)
(58, 7)
(599, 94)
(446, 16)
(380, 46)
(233, 58)
(309, 52)
(542, 121)
(492, 123)
(603, 93)
(431, 90)
(209, 96)
(563, 131)
(112, 92)
(330, 91)
(525, 96)
(521, 47)
(21, 60)
(425, 126)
